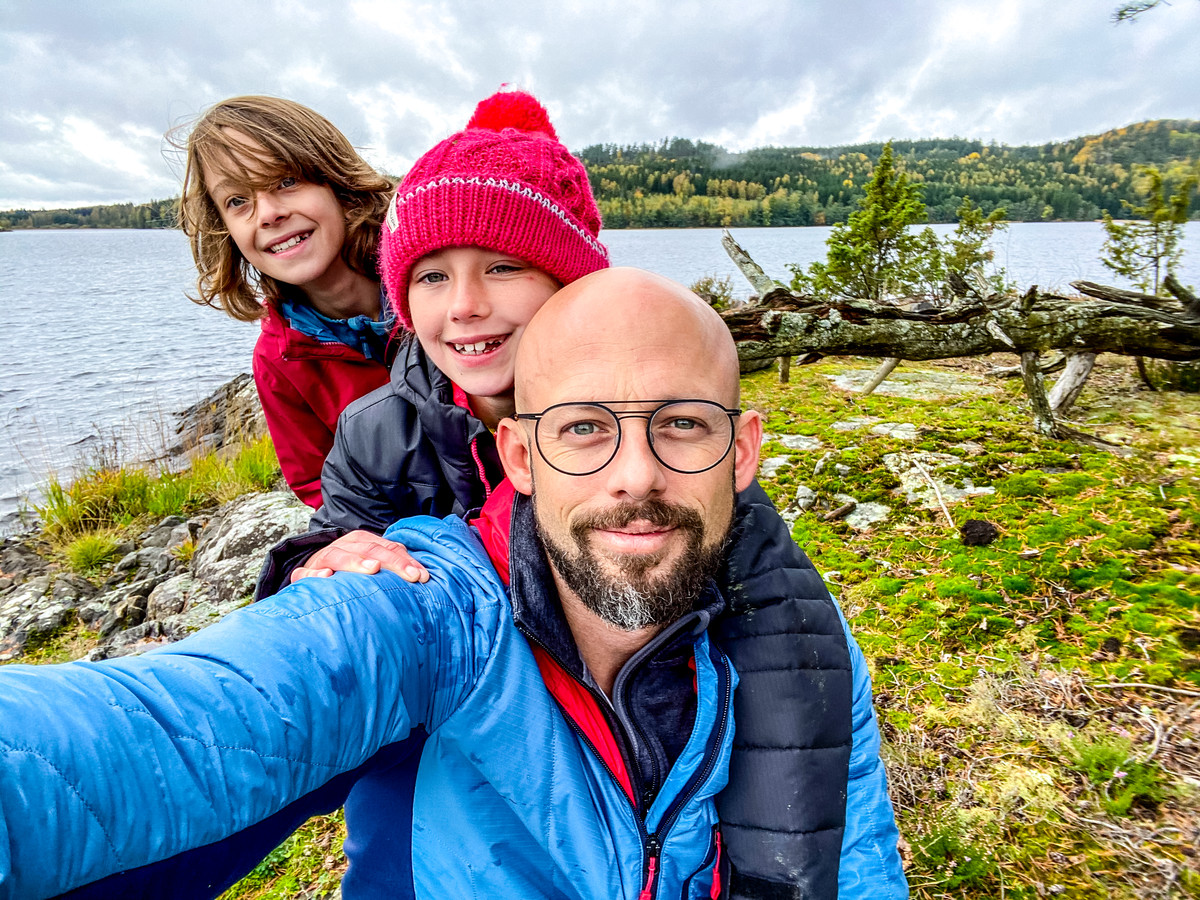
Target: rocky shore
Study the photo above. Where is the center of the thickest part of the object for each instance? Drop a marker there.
(174, 578)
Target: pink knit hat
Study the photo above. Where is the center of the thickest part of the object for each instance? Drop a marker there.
(504, 183)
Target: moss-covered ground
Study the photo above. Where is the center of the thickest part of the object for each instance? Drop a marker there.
(1018, 768)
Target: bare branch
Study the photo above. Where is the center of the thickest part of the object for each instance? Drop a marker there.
(758, 279)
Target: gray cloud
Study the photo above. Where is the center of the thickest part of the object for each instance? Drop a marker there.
(88, 89)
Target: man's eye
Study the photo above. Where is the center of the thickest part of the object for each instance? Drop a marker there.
(585, 430)
(682, 428)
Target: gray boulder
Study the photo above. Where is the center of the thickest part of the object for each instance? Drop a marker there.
(230, 548)
(162, 533)
(230, 551)
(229, 413)
(38, 607)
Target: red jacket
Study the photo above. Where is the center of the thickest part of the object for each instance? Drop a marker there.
(304, 384)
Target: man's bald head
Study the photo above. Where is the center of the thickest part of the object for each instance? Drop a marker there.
(613, 330)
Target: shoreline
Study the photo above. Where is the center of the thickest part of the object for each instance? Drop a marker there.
(229, 412)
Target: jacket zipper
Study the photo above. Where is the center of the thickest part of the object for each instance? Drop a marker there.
(652, 843)
(487, 487)
(653, 849)
(700, 777)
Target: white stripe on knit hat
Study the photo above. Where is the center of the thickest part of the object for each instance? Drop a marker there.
(393, 218)
(514, 187)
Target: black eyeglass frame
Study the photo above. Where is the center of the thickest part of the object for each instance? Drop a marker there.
(648, 415)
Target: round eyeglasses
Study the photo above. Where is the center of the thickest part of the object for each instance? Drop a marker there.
(687, 436)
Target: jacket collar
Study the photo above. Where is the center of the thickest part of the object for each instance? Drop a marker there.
(293, 344)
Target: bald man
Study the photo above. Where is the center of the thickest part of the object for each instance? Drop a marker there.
(573, 730)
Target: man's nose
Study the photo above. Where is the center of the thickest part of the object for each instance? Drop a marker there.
(635, 471)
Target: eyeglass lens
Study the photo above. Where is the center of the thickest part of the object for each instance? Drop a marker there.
(689, 436)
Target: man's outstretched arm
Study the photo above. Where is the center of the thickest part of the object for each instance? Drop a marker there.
(111, 766)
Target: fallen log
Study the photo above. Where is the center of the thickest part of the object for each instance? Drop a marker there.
(787, 324)
(1104, 320)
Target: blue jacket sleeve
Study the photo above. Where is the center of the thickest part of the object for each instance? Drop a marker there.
(109, 766)
(870, 863)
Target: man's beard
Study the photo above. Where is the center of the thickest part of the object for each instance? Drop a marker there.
(633, 597)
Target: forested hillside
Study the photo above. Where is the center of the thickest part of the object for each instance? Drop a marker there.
(683, 183)
(686, 183)
(155, 214)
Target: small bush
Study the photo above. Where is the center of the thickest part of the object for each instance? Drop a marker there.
(716, 292)
(89, 552)
(257, 464)
(184, 552)
(106, 498)
(170, 495)
(949, 857)
(1121, 781)
(99, 499)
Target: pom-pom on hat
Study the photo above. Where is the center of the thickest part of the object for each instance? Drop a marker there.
(505, 183)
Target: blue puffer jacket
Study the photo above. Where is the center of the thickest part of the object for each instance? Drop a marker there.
(408, 449)
(115, 765)
(294, 698)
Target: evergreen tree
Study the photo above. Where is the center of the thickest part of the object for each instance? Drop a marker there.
(873, 255)
(1146, 251)
(966, 251)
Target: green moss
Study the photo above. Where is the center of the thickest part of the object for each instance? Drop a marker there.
(310, 863)
(951, 861)
(68, 642)
(1119, 781)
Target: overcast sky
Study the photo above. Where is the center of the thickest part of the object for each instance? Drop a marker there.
(88, 88)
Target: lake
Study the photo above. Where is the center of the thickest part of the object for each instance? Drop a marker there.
(101, 345)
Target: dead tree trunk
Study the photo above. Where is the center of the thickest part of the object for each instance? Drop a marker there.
(885, 369)
(1035, 387)
(1070, 383)
(1106, 320)
(786, 324)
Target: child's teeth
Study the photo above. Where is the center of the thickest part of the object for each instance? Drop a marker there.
(477, 347)
(288, 244)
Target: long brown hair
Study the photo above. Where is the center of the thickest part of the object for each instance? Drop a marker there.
(260, 140)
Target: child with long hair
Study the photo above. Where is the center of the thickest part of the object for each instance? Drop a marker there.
(479, 234)
(283, 218)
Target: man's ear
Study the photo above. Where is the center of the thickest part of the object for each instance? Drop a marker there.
(747, 442)
(514, 452)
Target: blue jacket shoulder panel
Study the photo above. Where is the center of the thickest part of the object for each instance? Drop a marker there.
(870, 863)
(236, 722)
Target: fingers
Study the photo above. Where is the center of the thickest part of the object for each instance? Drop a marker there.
(367, 554)
(305, 572)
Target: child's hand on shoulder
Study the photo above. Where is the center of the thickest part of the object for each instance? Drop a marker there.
(362, 552)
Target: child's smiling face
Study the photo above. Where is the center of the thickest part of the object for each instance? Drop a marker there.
(292, 230)
(469, 309)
